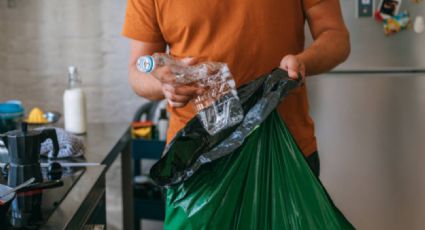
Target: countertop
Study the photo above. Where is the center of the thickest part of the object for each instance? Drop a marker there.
(104, 142)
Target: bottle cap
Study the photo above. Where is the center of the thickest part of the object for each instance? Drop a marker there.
(72, 69)
(73, 78)
(145, 64)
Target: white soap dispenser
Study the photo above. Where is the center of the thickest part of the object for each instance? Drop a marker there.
(74, 104)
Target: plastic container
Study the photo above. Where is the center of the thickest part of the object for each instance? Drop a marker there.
(219, 107)
(11, 115)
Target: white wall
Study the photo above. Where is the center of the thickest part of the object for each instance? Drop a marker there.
(39, 39)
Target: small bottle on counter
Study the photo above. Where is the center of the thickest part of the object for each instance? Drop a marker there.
(162, 125)
(74, 101)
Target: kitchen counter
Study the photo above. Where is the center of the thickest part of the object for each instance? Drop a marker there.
(75, 210)
(104, 142)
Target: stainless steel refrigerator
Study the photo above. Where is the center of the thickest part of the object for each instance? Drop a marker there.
(370, 124)
(372, 50)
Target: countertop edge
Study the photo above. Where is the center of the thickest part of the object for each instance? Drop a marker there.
(91, 187)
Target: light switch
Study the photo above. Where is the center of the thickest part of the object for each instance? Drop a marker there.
(364, 8)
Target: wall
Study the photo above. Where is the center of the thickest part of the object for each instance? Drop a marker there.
(39, 39)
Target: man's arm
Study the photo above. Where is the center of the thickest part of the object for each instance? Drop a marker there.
(331, 44)
(144, 85)
(160, 83)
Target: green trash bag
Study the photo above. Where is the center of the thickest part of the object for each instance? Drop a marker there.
(265, 184)
(250, 176)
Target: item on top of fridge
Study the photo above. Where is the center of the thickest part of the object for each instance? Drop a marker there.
(397, 23)
(36, 116)
(219, 107)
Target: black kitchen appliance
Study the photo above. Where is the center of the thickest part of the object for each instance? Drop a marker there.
(24, 153)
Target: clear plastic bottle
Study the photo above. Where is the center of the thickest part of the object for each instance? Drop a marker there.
(219, 107)
(74, 102)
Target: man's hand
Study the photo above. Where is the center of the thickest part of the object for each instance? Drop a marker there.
(160, 83)
(177, 95)
(294, 66)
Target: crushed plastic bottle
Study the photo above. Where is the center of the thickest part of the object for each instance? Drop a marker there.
(219, 107)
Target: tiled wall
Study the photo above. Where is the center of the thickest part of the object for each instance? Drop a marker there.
(39, 39)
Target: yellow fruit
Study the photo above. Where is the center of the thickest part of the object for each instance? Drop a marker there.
(143, 132)
(36, 116)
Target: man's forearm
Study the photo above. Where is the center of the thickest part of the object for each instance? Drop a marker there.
(330, 49)
(145, 85)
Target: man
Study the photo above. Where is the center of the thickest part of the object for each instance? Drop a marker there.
(251, 36)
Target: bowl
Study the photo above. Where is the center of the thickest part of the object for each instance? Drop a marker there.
(51, 117)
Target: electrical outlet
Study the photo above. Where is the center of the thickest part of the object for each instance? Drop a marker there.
(364, 8)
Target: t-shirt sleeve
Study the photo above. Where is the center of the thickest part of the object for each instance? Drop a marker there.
(140, 21)
(310, 3)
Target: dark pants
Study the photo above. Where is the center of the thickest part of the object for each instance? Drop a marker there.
(314, 163)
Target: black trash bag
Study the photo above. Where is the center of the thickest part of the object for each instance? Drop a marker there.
(193, 146)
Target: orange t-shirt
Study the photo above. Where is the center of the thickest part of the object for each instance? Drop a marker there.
(251, 36)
